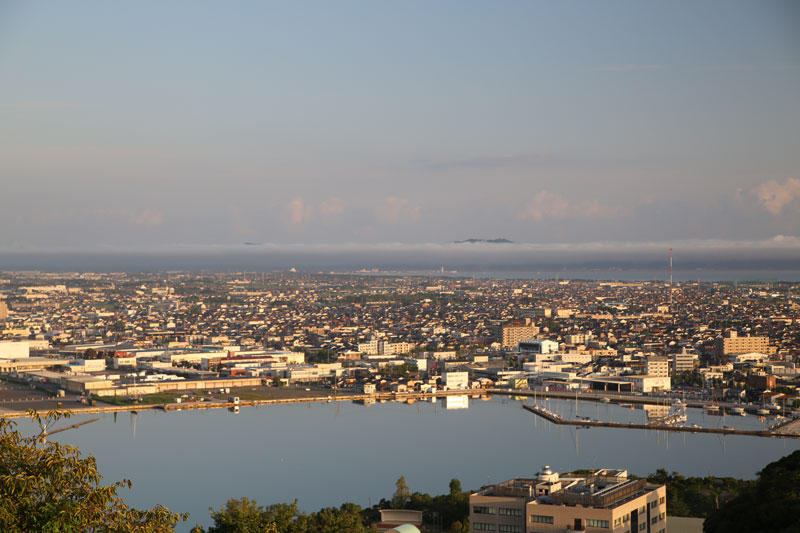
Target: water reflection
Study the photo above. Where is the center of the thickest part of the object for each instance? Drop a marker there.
(456, 402)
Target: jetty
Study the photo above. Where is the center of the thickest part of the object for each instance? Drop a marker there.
(656, 426)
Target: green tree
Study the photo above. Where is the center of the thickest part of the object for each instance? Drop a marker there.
(771, 504)
(286, 517)
(455, 488)
(460, 527)
(48, 487)
(240, 516)
(401, 493)
(332, 520)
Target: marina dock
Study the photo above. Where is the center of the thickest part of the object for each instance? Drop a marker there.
(556, 419)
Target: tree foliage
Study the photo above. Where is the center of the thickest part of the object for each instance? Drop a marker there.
(401, 493)
(772, 503)
(241, 516)
(246, 516)
(49, 487)
(697, 496)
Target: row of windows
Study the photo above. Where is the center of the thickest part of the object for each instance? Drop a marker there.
(504, 511)
(591, 522)
(480, 526)
(506, 528)
(541, 519)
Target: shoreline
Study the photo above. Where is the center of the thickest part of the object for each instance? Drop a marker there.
(382, 396)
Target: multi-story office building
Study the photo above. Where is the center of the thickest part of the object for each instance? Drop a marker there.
(514, 333)
(683, 362)
(578, 338)
(657, 365)
(605, 501)
(373, 347)
(733, 344)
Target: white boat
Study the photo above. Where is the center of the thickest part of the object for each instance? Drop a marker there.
(738, 411)
(762, 412)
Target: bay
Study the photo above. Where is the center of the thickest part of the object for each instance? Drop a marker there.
(324, 454)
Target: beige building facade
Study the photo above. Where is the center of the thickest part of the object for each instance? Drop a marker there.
(733, 344)
(657, 365)
(605, 501)
(513, 334)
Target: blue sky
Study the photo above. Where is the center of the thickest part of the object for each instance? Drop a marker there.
(159, 123)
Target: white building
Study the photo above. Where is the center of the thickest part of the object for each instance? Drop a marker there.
(456, 380)
(752, 357)
(538, 346)
(14, 349)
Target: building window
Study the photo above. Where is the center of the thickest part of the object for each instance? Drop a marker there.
(510, 511)
(480, 526)
(591, 522)
(643, 510)
(661, 516)
(653, 504)
(482, 509)
(654, 520)
(541, 519)
(661, 500)
(642, 526)
(506, 528)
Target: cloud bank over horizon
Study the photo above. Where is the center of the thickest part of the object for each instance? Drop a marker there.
(332, 126)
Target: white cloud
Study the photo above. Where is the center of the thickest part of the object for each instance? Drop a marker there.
(774, 196)
(298, 212)
(332, 207)
(394, 209)
(547, 205)
(145, 218)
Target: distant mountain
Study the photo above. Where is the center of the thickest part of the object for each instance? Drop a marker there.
(498, 240)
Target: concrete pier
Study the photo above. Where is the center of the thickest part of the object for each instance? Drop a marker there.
(555, 419)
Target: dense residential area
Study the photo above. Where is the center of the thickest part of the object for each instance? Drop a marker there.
(132, 336)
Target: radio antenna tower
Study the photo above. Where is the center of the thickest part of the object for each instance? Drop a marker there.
(670, 279)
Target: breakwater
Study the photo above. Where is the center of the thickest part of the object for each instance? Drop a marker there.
(556, 419)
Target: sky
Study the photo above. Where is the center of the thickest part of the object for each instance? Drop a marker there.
(156, 124)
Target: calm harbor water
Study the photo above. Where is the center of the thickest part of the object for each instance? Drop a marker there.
(324, 454)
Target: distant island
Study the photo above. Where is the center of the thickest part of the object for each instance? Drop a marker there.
(498, 240)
